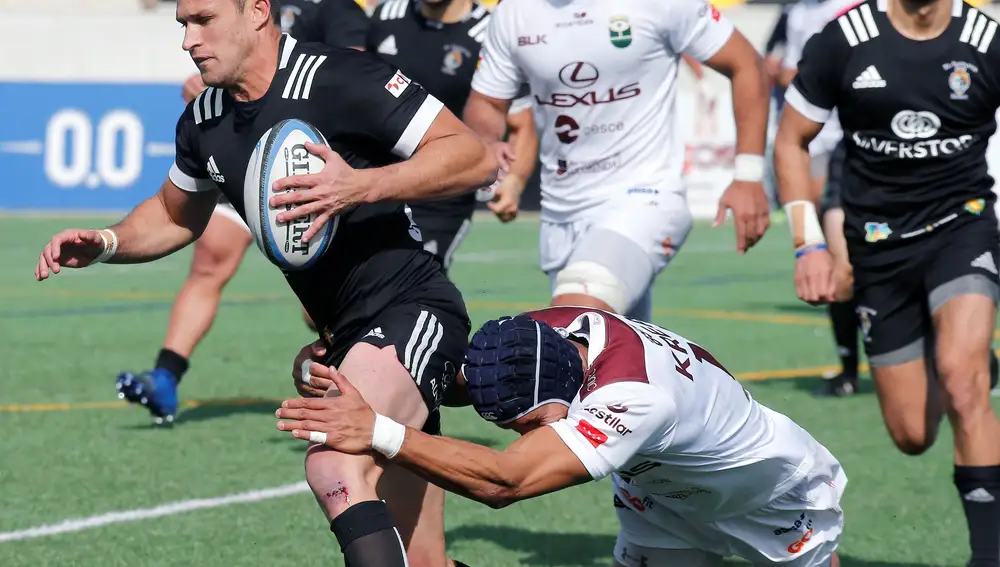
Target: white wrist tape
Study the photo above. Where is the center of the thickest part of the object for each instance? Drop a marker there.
(804, 224)
(387, 436)
(110, 240)
(306, 376)
(748, 167)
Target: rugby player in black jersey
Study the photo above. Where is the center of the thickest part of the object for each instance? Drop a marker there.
(389, 318)
(219, 251)
(916, 87)
(436, 43)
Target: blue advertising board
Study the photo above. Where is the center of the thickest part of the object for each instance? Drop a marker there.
(85, 146)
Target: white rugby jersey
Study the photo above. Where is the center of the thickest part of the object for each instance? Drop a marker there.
(603, 80)
(806, 18)
(663, 414)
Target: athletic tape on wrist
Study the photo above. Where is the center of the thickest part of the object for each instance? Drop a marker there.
(110, 247)
(749, 167)
(387, 436)
(306, 375)
(803, 223)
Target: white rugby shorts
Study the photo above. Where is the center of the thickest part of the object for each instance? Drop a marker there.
(800, 528)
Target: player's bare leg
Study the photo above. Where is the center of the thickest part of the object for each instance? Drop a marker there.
(217, 255)
(911, 404)
(418, 508)
(964, 326)
(345, 486)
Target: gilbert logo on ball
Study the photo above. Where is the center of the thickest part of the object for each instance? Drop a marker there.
(281, 153)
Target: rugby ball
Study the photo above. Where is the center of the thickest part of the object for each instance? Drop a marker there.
(281, 153)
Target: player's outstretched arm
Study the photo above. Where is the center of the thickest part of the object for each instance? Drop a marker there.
(160, 225)
(537, 463)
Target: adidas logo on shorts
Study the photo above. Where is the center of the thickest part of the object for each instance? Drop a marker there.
(985, 262)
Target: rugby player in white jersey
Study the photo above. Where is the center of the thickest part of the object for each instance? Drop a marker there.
(826, 157)
(699, 470)
(603, 78)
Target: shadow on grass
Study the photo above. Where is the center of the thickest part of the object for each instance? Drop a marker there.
(582, 549)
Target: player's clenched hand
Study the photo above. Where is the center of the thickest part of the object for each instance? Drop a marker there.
(327, 193)
(346, 419)
(311, 377)
(814, 277)
(507, 198)
(73, 248)
(751, 211)
(504, 154)
(192, 87)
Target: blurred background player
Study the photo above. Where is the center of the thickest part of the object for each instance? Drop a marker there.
(826, 156)
(219, 251)
(914, 83)
(614, 209)
(436, 43)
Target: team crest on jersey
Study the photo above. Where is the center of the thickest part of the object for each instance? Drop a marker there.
(454, 56)
(975, 206)
(875, 231)
(288, 15)
(960, 78)
(620, 31)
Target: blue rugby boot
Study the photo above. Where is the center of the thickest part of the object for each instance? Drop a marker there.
(155, 389)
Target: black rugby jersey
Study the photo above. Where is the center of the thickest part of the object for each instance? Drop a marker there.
(440, 57)
(370, 114)
(342, 23)
(917, 117)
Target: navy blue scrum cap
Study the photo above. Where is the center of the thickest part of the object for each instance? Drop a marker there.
(516, 364)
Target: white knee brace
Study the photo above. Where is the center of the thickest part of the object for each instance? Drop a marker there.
(595, 280)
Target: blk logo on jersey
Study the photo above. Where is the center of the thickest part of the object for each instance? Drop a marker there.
(397, 84)
(595, 436)
(609, 419)
(529, 40)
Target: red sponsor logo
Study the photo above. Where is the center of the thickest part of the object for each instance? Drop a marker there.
(715, 12)
(397, 84)
(593, 434)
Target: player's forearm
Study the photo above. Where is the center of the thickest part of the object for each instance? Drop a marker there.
(751, 101)
(442, 168)
(523, 140)
(486, 119)
(791, 164)
(467, 469)
(149, 233)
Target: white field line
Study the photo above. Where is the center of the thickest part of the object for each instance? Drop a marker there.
(168, 509)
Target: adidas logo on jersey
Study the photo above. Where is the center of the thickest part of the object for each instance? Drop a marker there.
(376, 332)
(388, 46)
(869, 79)
(985, 262)
(213, 171)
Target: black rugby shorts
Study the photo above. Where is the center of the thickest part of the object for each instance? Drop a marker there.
(898, 288)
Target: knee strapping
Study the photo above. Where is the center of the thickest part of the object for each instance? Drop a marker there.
(595, 280)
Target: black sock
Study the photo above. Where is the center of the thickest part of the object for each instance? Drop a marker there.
(172, 362)
(845, 333)
(979, 488)
(994, 369)
(459, 563)
(368, 536)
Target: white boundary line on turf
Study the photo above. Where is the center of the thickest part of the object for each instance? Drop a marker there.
(168, 509)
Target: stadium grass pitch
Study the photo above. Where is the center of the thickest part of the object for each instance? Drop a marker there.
(86, 481)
